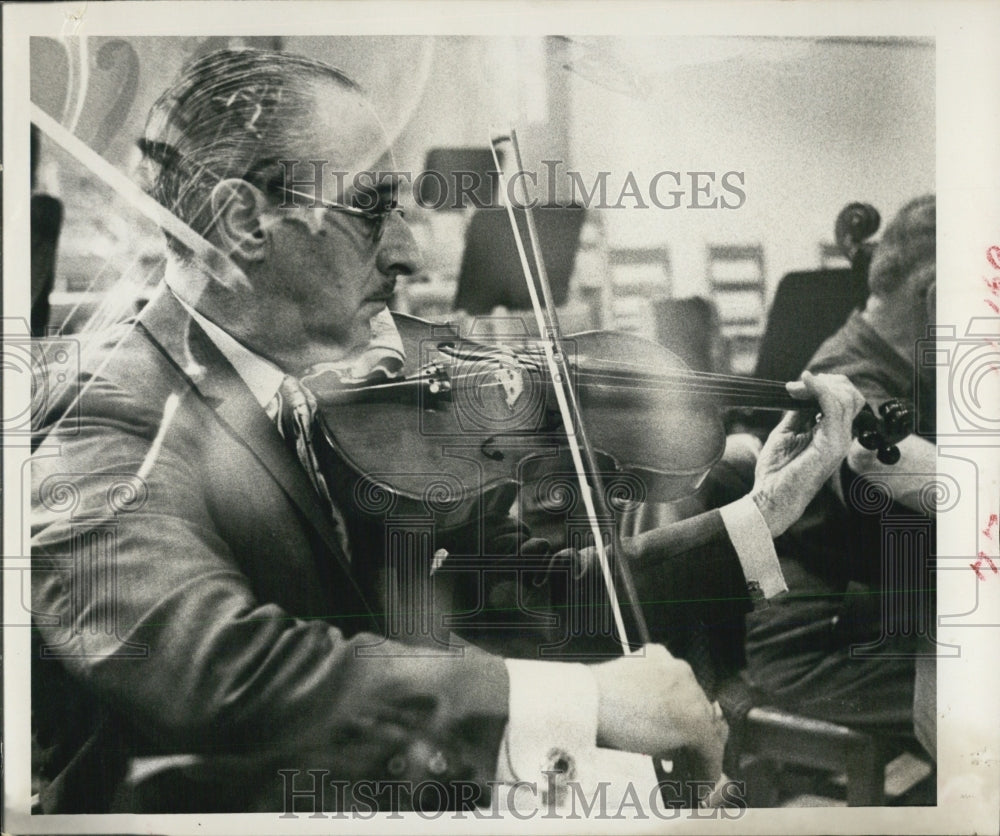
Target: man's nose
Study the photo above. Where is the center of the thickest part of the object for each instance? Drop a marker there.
(398, 253)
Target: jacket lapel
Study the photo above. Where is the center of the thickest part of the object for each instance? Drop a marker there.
(196, 357)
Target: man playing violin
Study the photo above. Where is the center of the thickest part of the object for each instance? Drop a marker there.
(240, 649)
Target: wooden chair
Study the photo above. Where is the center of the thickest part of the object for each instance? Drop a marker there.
(772, 738)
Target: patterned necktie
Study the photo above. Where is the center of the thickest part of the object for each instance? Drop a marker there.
(293, 410)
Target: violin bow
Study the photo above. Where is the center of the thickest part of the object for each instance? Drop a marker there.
(584, 461)
(210, 256)
(207, 254)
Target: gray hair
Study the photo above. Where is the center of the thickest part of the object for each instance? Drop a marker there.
(231, 114)
(908, 244)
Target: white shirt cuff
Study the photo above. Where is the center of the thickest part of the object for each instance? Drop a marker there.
(553, 715)
(553, 729)
(754, 547)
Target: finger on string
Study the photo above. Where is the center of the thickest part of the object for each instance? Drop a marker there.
(832, 397)
(804, 388)
(797, 389)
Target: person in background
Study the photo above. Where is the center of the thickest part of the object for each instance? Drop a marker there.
(248, 631)
(800, 649)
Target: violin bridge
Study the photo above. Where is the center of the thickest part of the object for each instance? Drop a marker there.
(512, 381)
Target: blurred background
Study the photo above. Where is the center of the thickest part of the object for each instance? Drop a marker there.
(809, 125)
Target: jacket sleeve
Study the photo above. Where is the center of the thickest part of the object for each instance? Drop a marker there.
(164, 631)
(694, 593)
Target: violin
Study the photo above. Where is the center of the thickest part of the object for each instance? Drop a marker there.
(469, 422)
(465, 419)
(454, 432)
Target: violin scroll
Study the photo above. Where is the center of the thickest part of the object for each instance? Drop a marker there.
(883, 431)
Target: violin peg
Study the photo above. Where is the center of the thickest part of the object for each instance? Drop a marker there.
(897, 416)
(870, 440)
(888, 454)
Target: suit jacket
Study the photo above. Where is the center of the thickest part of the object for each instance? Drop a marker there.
(192, 600)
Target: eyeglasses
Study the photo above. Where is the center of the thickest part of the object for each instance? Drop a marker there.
(375, 218)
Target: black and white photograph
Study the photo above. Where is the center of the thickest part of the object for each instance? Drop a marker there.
(492, 417)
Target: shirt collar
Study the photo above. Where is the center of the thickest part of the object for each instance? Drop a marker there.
(262, 377)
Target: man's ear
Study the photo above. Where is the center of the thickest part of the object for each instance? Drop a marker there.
(237, 207)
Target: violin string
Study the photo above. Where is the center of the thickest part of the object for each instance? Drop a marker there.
(639, 368)
(734, 398)
(747, 389)
(743, 385)
(695, 381)
(677, 381)
(639, 372)
(629, 377)
(736, 380)
(722, 398)
(727, 398)
(611, 367)
(743, 396)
